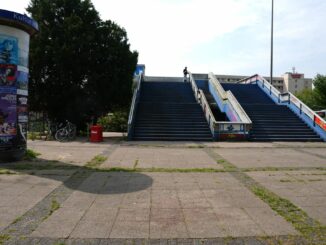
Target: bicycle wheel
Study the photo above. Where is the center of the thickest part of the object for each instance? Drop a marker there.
(72, 133)
(61, 135)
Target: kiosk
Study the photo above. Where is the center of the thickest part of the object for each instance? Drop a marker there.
(15, 32)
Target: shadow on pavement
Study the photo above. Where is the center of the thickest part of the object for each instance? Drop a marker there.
(83, 178)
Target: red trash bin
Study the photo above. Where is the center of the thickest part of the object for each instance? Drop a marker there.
(96, 133)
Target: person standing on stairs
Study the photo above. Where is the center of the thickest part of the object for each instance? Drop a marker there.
(185, 73)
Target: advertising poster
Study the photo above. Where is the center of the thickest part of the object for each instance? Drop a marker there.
(23, 58)
(22, 80)
(8, 116)
(23, 130)
(8, 75)
(8, 50)
(22, 109)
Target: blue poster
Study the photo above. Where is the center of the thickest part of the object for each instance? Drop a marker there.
(22, 80)
(8, 50)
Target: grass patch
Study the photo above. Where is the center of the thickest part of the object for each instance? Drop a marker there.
(4, 238)
(195, 146)
(228, 167)
(6, 171)
(96, 161)
(54, 206)
(282, 169)
(313, 231)
(286, 180)
(46, 165)
(31, 155)
(17, 219)
(162, 170)
(312, 180)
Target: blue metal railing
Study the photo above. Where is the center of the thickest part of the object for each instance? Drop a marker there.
(317, 123)
(134, 105)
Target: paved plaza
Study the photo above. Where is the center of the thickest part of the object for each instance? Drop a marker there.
(161, 192)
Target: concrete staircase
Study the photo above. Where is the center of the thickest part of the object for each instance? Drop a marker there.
(168, 111)
(271, 122)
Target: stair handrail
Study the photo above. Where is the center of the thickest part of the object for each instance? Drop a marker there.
(201, 99)
(134, 103)
(194, 86)
(289, 98)
(207, 111)
(214, 125)
(317, 120)
(228, 95)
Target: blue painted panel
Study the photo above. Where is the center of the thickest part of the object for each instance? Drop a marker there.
(5, 14)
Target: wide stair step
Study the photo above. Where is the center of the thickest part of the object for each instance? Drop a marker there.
(169, 111)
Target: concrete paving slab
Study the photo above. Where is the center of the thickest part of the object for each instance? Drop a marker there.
(168, 228)
(96, 223)
(130, 229)
(60, 224)
(76, 153)
(19, 193)
(203, 228)
(270, 157)
(154, 157)
(205, 211)
(165, 199)
(321, 152)
(300, 187)
(133, 214)
(271, 223)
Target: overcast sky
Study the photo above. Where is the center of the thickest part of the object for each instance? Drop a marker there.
(220, 36)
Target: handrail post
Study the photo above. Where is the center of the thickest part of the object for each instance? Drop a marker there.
(270, 89)
(314, 120)
(300, 108)
(289, 98)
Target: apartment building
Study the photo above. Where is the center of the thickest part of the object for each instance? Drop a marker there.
(292, 82)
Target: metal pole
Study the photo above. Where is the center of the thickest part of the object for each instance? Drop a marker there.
(272, 34)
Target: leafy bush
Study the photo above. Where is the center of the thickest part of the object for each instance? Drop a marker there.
(114, 122)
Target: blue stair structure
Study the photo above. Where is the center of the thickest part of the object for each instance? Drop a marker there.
(270, 121)
(168, 110)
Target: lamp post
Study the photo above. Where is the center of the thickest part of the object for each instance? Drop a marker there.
(272, 34)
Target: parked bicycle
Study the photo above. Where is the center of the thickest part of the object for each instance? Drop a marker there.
(52, 128)
(66, 133)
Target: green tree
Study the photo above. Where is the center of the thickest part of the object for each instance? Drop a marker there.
(316, 98)
(320, 90)
(308, 97)
(80, 65)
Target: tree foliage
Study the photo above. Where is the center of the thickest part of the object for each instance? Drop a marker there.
(316, 98)
(80, 66)
(320, 89)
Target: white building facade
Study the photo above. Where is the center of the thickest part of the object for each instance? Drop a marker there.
(289, 82)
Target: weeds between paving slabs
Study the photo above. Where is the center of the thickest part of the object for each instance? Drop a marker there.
(4, 238)
(31, 155)
(96, 161)
(313, 231)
